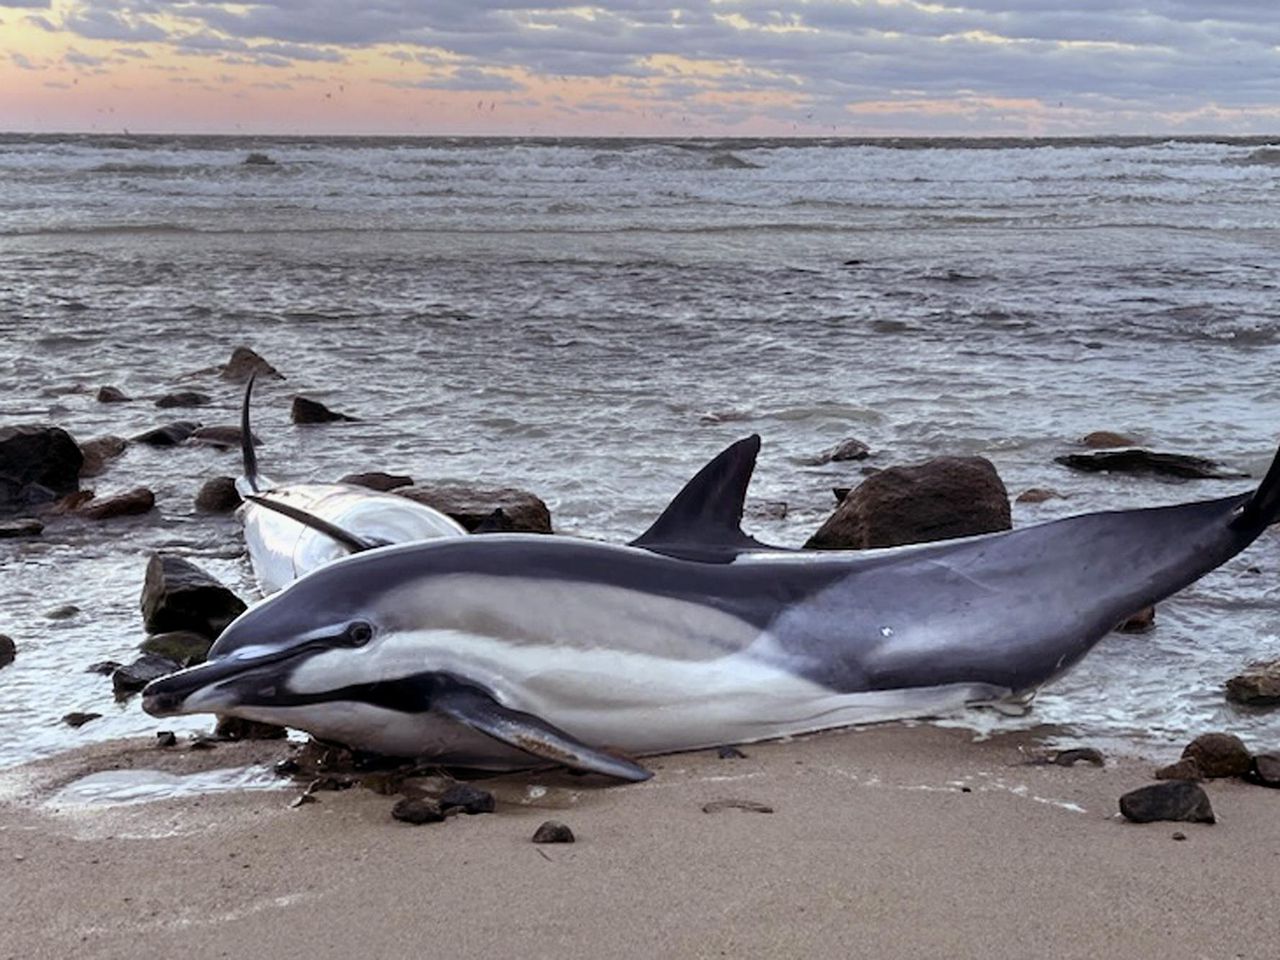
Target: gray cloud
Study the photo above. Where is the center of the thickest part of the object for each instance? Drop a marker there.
(22, 62)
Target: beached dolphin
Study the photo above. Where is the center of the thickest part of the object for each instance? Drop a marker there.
(500, 652)
(294, 529)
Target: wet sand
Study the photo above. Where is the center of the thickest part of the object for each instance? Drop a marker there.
(874, 848)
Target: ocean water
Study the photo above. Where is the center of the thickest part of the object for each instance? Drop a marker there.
(593, 319)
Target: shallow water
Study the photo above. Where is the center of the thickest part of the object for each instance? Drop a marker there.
(592, 320)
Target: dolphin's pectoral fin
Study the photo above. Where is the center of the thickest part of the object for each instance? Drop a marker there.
(475, 708)
(352, 541)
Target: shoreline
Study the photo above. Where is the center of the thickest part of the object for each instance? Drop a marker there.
(874, 848)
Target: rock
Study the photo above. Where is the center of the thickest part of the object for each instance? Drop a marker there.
(77, 719)
(259, 160)
(218, 495)
(767, 509)
(223, 438)
(937, 500)
(166, 738)
(1184, 769)
(840, 493)
(751, 806)
(1219, 754)
(132, 677)
(24, 527)
(376, 480)
(1265, 770)
(236, 728)
(1141, 622)
(496, 522)
(1069, 758)
(1102, 439)
(417, 810)
(245, 362)
(848, 449)
(8, 650)
(111, 395)
(730, 753)
(468, 799)
(1038, 495)
(313, 411)
(37, 464)
(178, 595)
(71, 503)
(470, 505)
(1258, 685)
(98, 451)
(184, 398)
(170, 435)
(1170, 800)
(135, 502)
(104, 667)
(64, 612)
(553, 831)
(181, 646)
(1139, 461)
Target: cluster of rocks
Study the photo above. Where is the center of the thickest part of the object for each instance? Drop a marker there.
(1179, 796)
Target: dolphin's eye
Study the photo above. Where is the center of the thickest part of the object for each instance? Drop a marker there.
(359, 633)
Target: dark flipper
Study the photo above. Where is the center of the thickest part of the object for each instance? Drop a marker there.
(476, 709)
(352, 541)
(1263, 508)
(247, 454)
(704, 521)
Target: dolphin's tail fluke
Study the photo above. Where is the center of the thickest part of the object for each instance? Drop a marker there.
(247, 454)
(1263, 508)
(704, 521)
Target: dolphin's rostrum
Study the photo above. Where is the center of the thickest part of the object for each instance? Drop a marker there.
(499, 652)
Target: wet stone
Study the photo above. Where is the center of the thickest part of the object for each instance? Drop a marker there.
(64, 612)
(471, 505)
(1069, 758)
(730, 753)
(8, 650)
(468, 799)
(180, 646)
(750, 806)
(376, 480)
(219, 437)
(111, 395)
(37, 464)
(553, 831)
(166, 738)
(1148, 462)
(78, 719)
(25, 527)
(842, 452)
(178, 595)
(1102, 439)
(1219, 754)
(104, 667)
(170, 435)
(1265, 770)
(245, 362)
(184, 398)
(1141, 622)
(131, 678)
(1038, 495)
(134, 503)
(218, 495)
(417, 810)
(1184, 769)
(1258, 685)
(307, 411)
(98, 451)
(1170, 800)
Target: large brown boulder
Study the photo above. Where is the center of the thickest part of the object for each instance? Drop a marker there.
(133, 503)
(244, 363)
(1219, 755)
(940, 499)
(1258, 685)
(98, 451)
(178, 595)
(37, 464)
(472, 505)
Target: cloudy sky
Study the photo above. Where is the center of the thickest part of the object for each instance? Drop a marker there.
(641, 67)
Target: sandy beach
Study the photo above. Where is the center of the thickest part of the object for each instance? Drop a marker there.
(893, 841)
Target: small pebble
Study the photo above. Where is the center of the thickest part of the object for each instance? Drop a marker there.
(417, 810)
(553, 831)
(1179, 835)
(166, 738)
(730, 753)
(715, 806)
(468, 799)
(78, 719)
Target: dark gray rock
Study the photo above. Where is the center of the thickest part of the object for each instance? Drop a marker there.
(8, 650)
(1170, 800)
(135, 502)
(181, 646)
(1219, 754)
(730, 753)
(37, 464)
(940, 499)
(166, 738)
(237, 728)
(64, 612)
(218, 495)
(1139, 461)
(313, 411)
(1038, 495)
(417, 810)
(245, 362)
(1105, 439)
(376, 480)
(170, 435)
(104, 667)
(1184, 769)
(496, 522)
(1143, 621)
(77, 719)
(184, 398)
(17, 529)
(845, 450)
(132, 677)
(468, 799)
(553, 831)
(750, 806)
(222, 438)
(178, 595)
(470, 505)
(1258, 685)
(98, 452)
(1074, 755)
(111, 395)
(259, 160)
(1265, 770)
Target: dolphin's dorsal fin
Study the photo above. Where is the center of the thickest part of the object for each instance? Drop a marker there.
(1263, 508)
(475, 708)
(248, 457)
(706, 515)
(352, 541)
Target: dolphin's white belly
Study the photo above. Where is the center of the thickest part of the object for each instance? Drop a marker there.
(281, 550)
